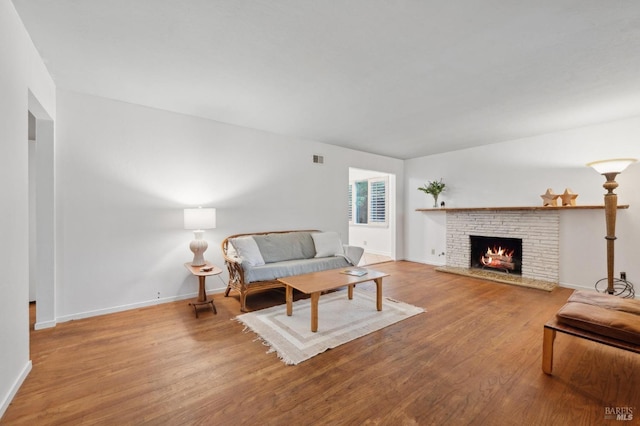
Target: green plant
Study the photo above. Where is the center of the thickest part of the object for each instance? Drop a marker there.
(434, 188)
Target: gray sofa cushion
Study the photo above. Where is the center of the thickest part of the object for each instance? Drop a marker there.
(287, 268)
(288, 246)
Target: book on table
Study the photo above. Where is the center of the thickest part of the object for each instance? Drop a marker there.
(357, 272)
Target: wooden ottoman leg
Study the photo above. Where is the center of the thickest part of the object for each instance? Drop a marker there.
(547, 349)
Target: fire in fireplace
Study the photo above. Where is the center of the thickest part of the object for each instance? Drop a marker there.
(496, 253)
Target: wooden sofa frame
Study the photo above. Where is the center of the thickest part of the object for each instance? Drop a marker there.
(236, 273)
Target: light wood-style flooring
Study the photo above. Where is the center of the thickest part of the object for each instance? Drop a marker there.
(474, 358)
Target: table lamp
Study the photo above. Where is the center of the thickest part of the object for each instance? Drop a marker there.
(198, 220)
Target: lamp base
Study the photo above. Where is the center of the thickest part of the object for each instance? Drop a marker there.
(198, 260)
(621, 288)
(198, 247)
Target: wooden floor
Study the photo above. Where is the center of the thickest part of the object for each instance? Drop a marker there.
(473, 358)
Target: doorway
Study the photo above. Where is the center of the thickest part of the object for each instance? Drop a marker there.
(372, 214)
(41, 213)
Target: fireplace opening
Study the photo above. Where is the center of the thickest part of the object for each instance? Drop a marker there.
(496, 254)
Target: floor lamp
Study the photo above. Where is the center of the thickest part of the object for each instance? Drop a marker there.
(610, 169)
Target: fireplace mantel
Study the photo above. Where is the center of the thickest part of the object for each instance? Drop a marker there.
(520, 208)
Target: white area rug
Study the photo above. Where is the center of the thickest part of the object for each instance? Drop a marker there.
(339, 321)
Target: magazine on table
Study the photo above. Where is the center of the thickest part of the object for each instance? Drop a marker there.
(356, 272)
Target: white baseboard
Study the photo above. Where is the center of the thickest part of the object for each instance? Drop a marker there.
(14, 389)
(587, 288)
(424, 262)
(44, 324)
(576, 287)
(378, 252)
(152, 302)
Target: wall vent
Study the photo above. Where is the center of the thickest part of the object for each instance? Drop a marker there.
(318, 159)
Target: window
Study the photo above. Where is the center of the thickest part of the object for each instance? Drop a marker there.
(362, 201)
(378, 202)
(368, 202)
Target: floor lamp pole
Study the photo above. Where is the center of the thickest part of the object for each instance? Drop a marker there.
(610, 209)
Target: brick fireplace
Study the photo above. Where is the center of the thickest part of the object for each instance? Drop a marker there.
(538, 229)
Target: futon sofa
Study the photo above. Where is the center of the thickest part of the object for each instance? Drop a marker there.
(256, 261)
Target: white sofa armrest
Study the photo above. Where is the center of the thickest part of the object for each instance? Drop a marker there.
(353, 254)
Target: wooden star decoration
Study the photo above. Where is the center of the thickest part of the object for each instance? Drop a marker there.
(549, 198)
(568, 198)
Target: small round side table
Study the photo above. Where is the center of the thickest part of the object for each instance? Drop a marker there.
(202, 293)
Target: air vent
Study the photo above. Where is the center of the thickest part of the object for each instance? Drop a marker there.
(318, 159)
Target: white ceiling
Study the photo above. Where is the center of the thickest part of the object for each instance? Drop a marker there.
(402, 78)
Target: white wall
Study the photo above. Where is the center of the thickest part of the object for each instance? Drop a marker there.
(516, 173)
(21, 70)
(376, 240)
(125, 172)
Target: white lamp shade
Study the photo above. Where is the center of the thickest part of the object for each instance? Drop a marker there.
(200, 218)
(616, 165)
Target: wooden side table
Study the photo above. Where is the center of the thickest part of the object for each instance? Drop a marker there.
(202, 293)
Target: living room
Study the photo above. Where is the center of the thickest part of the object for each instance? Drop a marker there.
(124, 172)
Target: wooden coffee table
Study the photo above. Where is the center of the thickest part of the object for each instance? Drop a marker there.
(317, 282)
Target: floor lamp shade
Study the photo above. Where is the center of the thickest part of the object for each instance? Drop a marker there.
(198, 220)
(616, 165)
